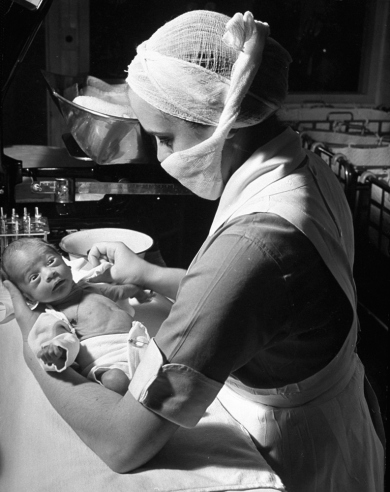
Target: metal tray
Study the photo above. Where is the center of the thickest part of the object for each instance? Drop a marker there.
(103, 138)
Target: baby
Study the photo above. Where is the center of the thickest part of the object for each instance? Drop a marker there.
(82, 323)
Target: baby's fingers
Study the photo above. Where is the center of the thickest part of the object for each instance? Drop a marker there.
(143, 296)
(51, 354)
(133, 291)
(45, 358)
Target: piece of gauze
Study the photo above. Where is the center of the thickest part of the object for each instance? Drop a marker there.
(113, 96)
(104, 107)
(105, 86)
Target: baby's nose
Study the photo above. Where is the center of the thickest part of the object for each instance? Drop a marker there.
(50, 274)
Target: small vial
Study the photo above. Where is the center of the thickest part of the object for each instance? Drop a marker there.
(15, 224)
(38, 222)
(26, 221)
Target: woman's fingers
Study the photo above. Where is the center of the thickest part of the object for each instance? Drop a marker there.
(105, 251)
(18, 301)
(104, 277)
(127, 266)
(96, 253)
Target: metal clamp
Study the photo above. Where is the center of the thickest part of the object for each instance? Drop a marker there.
(62, 188)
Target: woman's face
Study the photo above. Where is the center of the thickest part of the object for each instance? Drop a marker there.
(172, 134)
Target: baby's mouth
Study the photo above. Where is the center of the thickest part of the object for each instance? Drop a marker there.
(58, 284)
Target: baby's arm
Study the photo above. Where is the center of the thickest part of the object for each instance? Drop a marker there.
(120, 292)
(49, 331)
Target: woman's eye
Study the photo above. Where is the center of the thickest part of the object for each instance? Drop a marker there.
(51, 261)
(166, 142)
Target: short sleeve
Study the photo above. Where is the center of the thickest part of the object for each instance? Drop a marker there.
(215, 326)
(174, 391)
(249, 307)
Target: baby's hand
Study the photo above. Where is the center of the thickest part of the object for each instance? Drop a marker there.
(52, 355)
(132, 291)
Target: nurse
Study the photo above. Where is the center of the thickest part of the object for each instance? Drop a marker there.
(265, 317)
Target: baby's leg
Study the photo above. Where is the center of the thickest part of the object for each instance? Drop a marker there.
(115, 380)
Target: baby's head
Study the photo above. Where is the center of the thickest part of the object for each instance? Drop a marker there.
(37, 269)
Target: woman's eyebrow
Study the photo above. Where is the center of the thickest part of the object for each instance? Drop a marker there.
(156, 133)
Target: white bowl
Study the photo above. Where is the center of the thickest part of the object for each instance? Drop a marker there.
(77, 244)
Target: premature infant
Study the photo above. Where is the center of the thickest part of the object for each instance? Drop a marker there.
(82, 324)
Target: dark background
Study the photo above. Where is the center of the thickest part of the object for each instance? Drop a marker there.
(324, 38)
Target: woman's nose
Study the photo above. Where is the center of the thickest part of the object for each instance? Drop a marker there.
(162, 153)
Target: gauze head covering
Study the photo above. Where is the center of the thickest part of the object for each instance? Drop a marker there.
(199, 67)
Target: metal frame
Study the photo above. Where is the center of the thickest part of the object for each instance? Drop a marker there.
(378, 215)
(344, 170)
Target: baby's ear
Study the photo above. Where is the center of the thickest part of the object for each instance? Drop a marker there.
(30, 302)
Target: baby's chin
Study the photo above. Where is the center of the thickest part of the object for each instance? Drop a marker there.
(60, 293)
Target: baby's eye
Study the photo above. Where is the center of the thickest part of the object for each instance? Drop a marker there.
(33, 277)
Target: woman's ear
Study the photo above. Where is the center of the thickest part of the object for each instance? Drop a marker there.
(232, 132)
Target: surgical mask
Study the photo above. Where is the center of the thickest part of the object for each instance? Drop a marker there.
(195, 93)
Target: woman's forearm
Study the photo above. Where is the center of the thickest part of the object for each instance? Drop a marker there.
(123, 433)
(129, 268)
(163, 280)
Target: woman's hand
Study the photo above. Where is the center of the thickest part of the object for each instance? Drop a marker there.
(128, 267)
(23, 314)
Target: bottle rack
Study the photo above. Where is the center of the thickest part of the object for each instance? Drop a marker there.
(14, 226)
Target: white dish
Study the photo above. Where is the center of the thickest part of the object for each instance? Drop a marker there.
(77, 244)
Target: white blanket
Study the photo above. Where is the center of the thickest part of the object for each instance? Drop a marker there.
(39, 452)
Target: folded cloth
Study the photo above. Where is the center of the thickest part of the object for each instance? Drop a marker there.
(114, 96)
(121, 350)
(82, 269)
(96, 104)
(41, 453)
(105, 87)
(105, 98)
